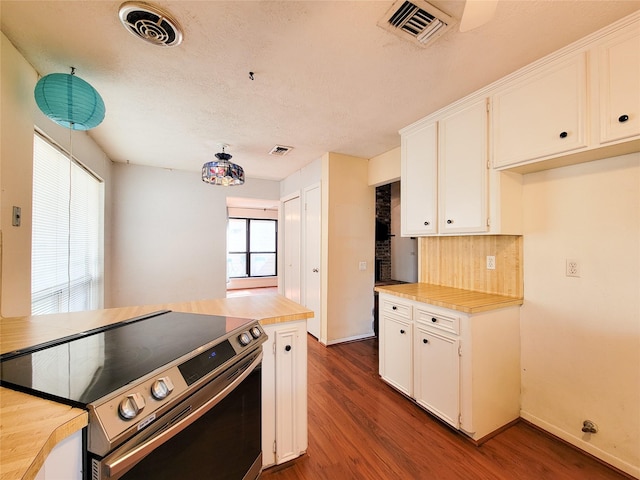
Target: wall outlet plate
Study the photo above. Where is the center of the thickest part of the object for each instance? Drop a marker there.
(491, 262)
(572, 268)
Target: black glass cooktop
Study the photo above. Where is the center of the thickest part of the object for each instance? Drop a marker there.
(85, 368)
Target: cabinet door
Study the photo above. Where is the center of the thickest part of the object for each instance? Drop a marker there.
(619, 73)
(396, 353)
(437, 374)
(463, 170)
(291, 392)
(284, 393)
(419, 181)
(542, 115)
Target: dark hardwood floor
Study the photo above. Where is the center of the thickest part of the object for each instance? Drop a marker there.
(360, 428)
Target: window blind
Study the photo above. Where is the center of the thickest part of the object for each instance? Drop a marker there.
(66, 255)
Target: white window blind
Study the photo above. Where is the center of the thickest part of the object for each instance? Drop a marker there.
(66, 258)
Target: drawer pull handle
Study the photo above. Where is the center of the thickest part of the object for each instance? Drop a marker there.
(394, 308)
(424, 340)
(623, 118)
(434, 319)
(288, 348)
(402, 332)
(563, 134)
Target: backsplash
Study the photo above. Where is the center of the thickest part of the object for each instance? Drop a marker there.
(461, 262)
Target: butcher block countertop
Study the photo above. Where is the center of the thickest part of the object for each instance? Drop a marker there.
(467, 301)
(30, 427)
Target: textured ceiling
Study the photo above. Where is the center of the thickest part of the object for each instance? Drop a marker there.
(327, 78)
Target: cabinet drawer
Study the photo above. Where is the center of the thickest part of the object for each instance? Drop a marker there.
(393, 307)
(439, 321)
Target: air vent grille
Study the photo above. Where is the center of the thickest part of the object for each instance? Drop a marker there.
(150, 23)
(280, 150)
(417, 21)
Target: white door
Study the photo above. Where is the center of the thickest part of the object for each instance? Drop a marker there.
(312, 240)
(291, 217)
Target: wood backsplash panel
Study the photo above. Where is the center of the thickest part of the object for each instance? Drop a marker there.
(461, 262)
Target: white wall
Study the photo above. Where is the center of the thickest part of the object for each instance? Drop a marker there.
(404, 250)
(18, 115)
(581, 336)
(170, 229)
(305, 177)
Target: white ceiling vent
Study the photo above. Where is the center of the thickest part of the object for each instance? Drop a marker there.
(280, 150)
(150, 23)
(416, 20)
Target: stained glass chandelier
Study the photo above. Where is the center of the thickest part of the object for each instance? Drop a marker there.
(222, 172)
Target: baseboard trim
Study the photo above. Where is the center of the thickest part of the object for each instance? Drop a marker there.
(355, 338)
(622, 467)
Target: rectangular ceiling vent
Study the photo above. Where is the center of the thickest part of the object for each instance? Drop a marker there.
(280, 150)
(416, 21)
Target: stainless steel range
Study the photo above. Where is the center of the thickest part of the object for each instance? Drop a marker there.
(167, 394)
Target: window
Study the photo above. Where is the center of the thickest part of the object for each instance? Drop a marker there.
(66, 250)
(252, 247)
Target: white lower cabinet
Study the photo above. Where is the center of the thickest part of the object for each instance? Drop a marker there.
(463, 368)
(395, 353)
(436, 380)
(284, 392)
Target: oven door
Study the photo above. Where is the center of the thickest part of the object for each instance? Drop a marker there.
(215, 433)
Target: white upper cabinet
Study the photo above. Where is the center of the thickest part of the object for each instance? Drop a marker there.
(447, 188)
(541, 114)
(619, 75)
(462, 170)
(419, 186)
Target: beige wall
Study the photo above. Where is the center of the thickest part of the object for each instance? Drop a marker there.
(581, 336)
(348, 229)
(384, 168)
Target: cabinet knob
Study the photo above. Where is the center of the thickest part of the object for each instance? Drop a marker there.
(394, 308)
(426, 224)
(315, 270)
(434, 319)
(288, 348)
(623, 118)
(402, 332)
(449, 221)
(424, 340)
(563, 134)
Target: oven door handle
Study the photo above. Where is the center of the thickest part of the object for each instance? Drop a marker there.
(126, 459)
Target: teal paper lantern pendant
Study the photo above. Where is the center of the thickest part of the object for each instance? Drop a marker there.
(69, 101)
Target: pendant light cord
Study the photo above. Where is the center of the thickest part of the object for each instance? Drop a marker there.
(69, 221)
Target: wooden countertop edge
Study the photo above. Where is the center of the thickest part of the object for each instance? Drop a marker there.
(483, 302)
(27, 444)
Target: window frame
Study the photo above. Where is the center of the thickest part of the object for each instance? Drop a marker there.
(248, 252)
(62, 296)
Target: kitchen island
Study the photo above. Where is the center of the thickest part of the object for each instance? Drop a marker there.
(31, 427)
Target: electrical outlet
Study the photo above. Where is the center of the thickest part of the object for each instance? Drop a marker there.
(572, 268)
(491, 262)
(362, 266)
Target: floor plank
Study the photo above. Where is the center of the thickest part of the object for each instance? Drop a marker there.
(360, 428)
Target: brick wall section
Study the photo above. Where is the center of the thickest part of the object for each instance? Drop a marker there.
(383, 247)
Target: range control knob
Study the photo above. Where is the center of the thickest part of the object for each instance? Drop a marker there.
(161, 388)
(131, 405)
(244, 339)
(255, 332)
